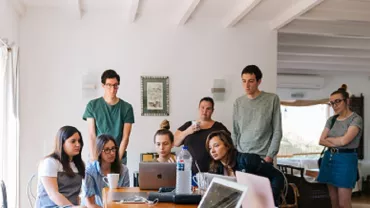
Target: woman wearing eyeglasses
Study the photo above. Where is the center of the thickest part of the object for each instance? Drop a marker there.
(225, 160)
(338, 168)
(108, 162)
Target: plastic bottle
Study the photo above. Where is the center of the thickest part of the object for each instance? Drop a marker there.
(183, 172)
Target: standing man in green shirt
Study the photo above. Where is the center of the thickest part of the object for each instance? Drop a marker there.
(257, 118)
(109, 115)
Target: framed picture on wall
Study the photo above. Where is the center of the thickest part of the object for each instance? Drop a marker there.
(154, 96)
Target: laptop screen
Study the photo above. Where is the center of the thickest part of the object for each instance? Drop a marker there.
(221, 195)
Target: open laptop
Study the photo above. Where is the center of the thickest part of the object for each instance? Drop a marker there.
(153, 175)
(259, 191)
(223, 193)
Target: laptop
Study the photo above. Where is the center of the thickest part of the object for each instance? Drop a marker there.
(223, 193)
(259, 191)
(153, 175)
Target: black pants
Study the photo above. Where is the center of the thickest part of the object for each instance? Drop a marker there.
(276, 179)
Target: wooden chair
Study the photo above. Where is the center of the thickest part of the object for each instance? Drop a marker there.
(148, 157)
(291, 199)
(310, 194)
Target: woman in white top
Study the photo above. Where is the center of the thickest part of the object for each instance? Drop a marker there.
(61, 173)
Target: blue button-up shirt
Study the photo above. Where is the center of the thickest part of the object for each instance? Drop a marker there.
(93, 184)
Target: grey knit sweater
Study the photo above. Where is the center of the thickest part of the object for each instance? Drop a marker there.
(257, 124)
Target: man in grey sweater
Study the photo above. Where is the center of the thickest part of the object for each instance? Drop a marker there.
(256, 118)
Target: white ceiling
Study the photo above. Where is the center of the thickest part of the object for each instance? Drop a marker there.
(332, 37)
(315, 36)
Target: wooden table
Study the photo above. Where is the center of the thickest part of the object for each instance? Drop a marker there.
(136, 189)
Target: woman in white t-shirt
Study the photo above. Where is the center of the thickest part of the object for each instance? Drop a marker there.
(61, 173)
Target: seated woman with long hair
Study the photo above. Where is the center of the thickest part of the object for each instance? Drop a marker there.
(108, 162)
(225, 160)
(61, 173)
(163, 140)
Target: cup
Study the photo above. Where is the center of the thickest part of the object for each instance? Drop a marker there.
(196, 124)
(201, 182)
(111, 180)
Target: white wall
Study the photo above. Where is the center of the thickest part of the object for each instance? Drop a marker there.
(357, 84)
(58, 50)
(9, 22)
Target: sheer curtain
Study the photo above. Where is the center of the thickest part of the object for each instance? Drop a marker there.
(9, 121)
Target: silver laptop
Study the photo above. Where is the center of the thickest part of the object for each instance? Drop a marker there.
(153, 175)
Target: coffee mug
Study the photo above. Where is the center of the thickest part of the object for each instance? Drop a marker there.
(111, 180)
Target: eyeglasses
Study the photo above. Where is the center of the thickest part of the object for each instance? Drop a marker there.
(107, 151)
(110, 85)
(335, 102)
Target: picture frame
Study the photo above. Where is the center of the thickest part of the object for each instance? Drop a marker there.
(155, 96)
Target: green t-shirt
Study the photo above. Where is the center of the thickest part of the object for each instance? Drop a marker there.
(109, 119)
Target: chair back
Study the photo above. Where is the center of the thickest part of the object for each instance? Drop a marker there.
(311, 194)
(136, 178)
(4, 198)
(31, 195)
(147, 157)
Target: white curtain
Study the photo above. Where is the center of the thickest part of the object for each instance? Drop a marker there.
(9, 122)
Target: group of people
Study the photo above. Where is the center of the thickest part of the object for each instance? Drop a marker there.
(251, 148)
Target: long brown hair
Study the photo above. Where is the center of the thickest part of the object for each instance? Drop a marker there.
(59, 154)
(101, 140)
(225, 137)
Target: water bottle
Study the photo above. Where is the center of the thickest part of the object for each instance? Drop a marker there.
(183, 172)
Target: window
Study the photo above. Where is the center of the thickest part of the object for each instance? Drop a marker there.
(2, 106)
(9, 122)
(302, 127)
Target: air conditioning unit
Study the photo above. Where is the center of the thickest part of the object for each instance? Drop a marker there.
(300, 82)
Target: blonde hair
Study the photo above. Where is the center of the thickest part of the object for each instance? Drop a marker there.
(165, 124)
